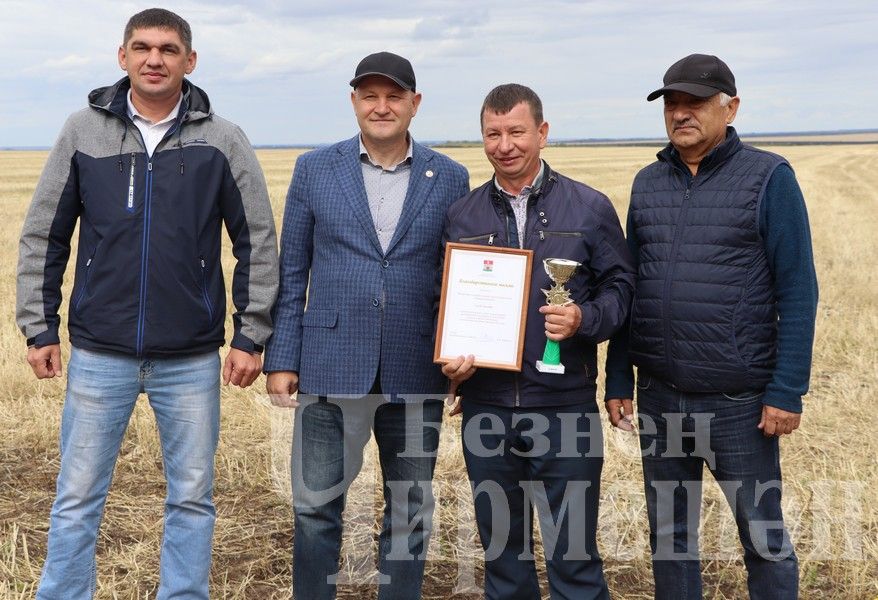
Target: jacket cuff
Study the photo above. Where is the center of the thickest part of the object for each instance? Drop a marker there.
(618, 388)
(242, 342)
(278, 361)
(791, 404)
(46, 338)
(588, 325)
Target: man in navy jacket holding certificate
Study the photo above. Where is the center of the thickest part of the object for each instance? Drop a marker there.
(533, 438)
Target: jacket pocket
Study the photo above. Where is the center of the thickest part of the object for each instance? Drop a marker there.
(570, 234)
(205, 293)
(82, 291)
(320, 317)
(487, 238)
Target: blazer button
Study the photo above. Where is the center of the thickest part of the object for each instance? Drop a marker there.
(385, 264)
(375, 302)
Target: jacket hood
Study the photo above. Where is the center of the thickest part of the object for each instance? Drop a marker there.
(113, 98)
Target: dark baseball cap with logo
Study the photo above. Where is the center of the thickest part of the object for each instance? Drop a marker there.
(701, 75)
(386, 64)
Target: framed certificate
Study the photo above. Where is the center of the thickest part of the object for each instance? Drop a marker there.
(483, 308)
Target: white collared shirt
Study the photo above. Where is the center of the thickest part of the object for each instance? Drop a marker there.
(152, 132)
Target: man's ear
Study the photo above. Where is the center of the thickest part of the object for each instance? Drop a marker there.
(732, 108)
(190, 62)
(543, 130)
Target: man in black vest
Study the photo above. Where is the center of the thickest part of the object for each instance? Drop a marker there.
(721, 331)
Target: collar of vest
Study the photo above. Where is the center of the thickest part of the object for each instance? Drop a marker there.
(714, 158)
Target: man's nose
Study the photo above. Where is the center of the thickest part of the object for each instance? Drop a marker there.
(505, 143)
(682, 113)
(154, 57)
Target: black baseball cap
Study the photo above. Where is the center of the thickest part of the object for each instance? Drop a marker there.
(386, 64)
(701, 75)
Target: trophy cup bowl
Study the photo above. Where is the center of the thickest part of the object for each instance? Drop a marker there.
(560, 270)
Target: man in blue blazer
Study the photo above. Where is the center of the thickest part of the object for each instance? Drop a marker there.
(363, 224)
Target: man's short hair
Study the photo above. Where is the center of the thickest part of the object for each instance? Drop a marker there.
(504, 98)
(159, 18)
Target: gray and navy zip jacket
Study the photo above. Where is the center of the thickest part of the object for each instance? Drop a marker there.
(726, 292)
(148, 276)
(565, 219)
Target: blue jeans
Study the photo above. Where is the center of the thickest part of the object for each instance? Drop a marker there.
(101, 392)
(328, 441)
(551, 458)
(680, 433)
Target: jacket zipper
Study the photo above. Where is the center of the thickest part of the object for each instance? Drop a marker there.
(478, 238)
(147, 217)
(669, 277)
(204, 290)
(147, 213)
(81, 293)
(544, 233)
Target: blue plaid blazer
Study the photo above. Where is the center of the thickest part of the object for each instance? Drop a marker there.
(363, 309)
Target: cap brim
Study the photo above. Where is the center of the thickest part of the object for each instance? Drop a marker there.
(362, 76)
(696, 89)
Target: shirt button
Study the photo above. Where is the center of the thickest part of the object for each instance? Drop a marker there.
(375, 302)
(544, 221)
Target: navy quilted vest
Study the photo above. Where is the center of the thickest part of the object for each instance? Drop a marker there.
(704, 315)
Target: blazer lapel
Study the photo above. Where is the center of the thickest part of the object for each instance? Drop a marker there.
(421, 182)
(350, 177)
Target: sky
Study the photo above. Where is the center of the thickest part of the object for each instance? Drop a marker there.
(280, 69)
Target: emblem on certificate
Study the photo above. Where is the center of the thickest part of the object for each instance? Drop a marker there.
(559, 270)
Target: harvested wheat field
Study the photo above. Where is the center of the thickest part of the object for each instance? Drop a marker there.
(831, 473)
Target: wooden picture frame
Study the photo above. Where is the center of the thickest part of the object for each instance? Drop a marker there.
(483, 306)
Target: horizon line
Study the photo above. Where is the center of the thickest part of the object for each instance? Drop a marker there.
(569, 141)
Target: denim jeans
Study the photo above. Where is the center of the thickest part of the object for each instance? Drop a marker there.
(101, 392)
(551, 458)
(680, 433)
(328, 440)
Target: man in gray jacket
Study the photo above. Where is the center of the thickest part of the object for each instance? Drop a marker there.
(152, 175)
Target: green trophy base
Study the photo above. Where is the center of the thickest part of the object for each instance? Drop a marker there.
(551, 362)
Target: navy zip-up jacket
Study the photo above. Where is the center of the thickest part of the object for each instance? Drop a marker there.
(148, 280)
(565, 219)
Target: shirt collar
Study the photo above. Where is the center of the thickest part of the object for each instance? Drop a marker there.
(528, 189)
(364, 154)
(134, 114)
